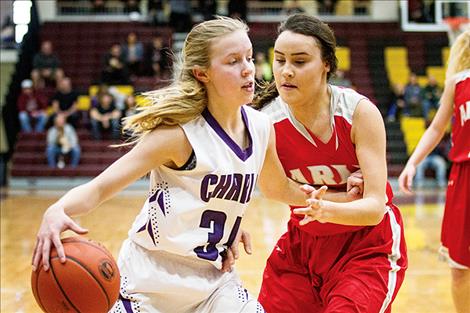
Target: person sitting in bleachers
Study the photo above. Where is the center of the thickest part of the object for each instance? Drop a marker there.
(115, 71)
(157, 58)
(32, 105)
(263, 72)
(64, 101)
(105, 117)
(46, 66)
(340, 79)
(437, 161)
(62, 140)
(397, 106)
(133, 54)
(413, 96)
(431, 95)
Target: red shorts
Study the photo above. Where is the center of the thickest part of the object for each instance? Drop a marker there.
(455, 235)
(357, 271)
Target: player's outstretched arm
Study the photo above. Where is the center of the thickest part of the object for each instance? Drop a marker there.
(163, 146)
(431, 137)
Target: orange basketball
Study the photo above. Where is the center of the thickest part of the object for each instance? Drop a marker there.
(87, 282)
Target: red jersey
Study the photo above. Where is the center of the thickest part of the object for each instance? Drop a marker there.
(460, 151)
(308, 160)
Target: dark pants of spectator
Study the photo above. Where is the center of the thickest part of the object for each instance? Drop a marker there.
(53, 152)
(97, 129)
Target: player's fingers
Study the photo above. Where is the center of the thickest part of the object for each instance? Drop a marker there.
(307, 219)
(355, 190)
(246, 238)
(302, 211)
(60, 248)
(322, 192)
(37, 254)
(228, 261)
(234, 250)
(46, 249)
(307, 189)
(76, 228)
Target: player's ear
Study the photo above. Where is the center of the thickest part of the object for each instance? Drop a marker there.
(200, 74)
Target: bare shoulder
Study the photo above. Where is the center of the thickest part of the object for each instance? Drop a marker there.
(367, 121)
(366, 110)
(170, 141)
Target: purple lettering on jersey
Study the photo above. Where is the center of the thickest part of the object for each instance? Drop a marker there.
(210, 179)
(234, 192)
(247, 188)
(221, 189)
(234, 187)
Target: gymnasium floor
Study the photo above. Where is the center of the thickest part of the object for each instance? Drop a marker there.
(426, 288)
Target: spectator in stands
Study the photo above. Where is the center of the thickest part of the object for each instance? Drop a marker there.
(180, 16)
(157, 58)
(105, 117)
(413, 96)
(263, 72)
(327, 7)
(397, 106)
(7, 33)
(46, 66)
(32, 105)
(292, 7)
(237, 9)
(339, 79)
(156, 12)
(64, 102)
(431, 95)
(115, 71)
(208, 8)
(98, 6)
(133, 53)
(131, 106)
(437, 161)
(62, 140)
(131, 6)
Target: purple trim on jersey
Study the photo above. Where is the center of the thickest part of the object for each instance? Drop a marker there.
(127, 304)
(149, 229)
(242, 154)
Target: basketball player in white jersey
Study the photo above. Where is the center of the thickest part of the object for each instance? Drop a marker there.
(205, 151)
(455, 106)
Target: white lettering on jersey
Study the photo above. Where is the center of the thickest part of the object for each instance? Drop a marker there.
(322, 174)
(464, 112)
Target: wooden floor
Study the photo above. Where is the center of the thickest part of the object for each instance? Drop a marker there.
(426, 288)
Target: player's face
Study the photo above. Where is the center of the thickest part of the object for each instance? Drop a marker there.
(231, 71)
(298, 68)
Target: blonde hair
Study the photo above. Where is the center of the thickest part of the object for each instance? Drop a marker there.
(459, 56)
(186, 97)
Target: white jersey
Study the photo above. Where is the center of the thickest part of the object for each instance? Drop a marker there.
(197, 212)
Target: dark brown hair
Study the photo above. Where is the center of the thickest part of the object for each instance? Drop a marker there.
(309, 26)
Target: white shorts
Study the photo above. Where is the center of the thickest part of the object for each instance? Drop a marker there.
(158, 281)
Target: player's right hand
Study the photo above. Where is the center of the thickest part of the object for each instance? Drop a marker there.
(405, 180)
(54, 222)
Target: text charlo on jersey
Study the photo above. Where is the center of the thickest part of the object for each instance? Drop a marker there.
(234, 187)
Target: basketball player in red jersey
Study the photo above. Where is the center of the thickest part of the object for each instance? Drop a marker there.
(455, 106)
(335, 257)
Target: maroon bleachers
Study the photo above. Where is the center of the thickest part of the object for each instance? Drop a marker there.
(81, 46)
(29, 158)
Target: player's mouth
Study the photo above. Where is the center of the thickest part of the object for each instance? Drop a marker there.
(249, 86)
(288, 86)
